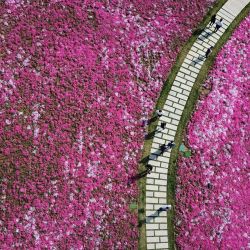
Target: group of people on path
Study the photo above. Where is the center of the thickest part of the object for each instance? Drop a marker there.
(163, 147)
(218, 25)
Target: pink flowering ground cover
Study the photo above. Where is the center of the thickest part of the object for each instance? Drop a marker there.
(213, 187)
(76, 79)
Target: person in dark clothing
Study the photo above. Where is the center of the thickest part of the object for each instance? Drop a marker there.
(212, 20)
(171, 144)
(163, 148)
(209, 50)
(159, 113)
(149, 168)
(218, 25)
(163, 125)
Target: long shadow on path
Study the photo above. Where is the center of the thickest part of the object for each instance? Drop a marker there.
(150, 217)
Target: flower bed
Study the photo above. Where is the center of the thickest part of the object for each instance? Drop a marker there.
(76, 80)
(212, 195)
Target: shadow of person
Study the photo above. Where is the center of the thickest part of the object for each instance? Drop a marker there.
(197, 60)
(204, 35)
(197, 31)
(137, 177)
(152, 134)
(153, 119)
(144, 160)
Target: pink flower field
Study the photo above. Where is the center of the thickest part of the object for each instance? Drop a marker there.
(213, 185)
(76, 79)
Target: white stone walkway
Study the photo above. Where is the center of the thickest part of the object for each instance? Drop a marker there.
(156, 184)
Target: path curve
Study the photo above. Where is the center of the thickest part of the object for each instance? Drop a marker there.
(156, 183)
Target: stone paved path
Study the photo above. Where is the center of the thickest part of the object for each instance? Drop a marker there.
(156, 184)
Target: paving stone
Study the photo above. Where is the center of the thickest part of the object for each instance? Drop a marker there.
(182, 102)
(172, 115)
(153, 239)
(211, 43)
(176, 89)
(152, 200)
(173, 127)
(150, 233)
(149, 207)
(164, 226)
(149, 194)
(168, 137)
(226, 13)
(157, 140)
(164, 239)
(186, 87)
(154, 163)
(161, 245)
(154, 175)
(164, 176)
(156, 207)
(181, 80)
(160, 219)
(171, 109)
(179, 74)
(190, 84)
(186, 63)
(200, 47)
(165, 164)
(190, 78)
(169, 103)
(172, 92)
(175, 122)
(176, 83)
(188, 60)
(194, 70)
(166, 119)
(185, 92)
(161, 182)
(190, 57)
(191, 53)
(194, 49)
(150, 181)
(163, 159)
(185, 71)
(178, 106)
(150, 246)
(178, 112)
(151, 226)
(160, 170)
(194, 75)
(183, 97)
(226, 17)
(163, 188)
(152, 213)
(160, 232)
(160, 194)
(155, 145)
(173, 98)
(152, 187)
(171, 132)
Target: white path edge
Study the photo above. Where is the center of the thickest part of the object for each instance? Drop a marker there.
(156, 183)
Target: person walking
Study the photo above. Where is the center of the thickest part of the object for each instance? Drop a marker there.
(163, 148)
(159, 113)
(212, 20)
(218, 25)
(209, 50)
(163, 125)
(171, 144)
(149, 168)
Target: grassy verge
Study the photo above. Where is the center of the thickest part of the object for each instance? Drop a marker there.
(194, 95)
